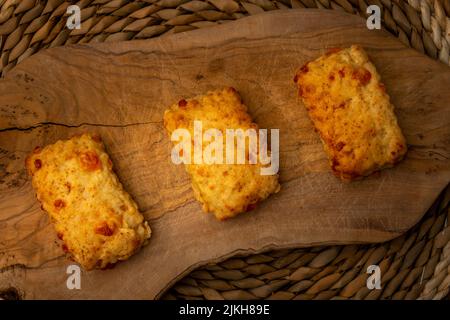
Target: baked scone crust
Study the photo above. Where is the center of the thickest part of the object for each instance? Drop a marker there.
(352, 113)
(98, 222)
(224, 189)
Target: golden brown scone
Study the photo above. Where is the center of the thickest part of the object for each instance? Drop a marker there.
(96, 219)
(350, 109)
(224, 189)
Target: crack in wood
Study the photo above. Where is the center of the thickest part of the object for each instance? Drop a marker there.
(50, 123)
(22, 266)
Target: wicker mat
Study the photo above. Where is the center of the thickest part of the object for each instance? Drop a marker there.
(413, 266)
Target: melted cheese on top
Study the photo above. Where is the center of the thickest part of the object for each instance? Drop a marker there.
(96, 219)
(351, 111)
(224, 189)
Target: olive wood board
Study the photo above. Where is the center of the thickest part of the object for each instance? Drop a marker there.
(120, 91)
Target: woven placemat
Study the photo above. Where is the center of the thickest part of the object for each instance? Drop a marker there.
(415, 265)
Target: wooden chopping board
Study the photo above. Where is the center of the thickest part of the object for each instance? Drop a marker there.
(121, 90)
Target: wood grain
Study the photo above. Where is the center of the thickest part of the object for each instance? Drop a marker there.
(121, 90)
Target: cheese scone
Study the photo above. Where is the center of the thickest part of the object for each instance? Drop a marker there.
(224, 189)
(351, 111)
(98, 222)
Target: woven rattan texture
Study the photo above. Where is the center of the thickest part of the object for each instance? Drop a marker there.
(416, 265)
(27, 26)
